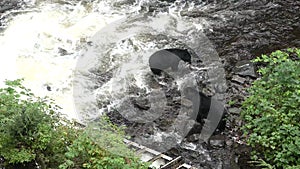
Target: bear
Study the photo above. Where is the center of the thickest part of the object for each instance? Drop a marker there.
(168, 58)
(202, 106)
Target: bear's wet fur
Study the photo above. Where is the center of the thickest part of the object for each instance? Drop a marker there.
(201, 107)
(168, 58)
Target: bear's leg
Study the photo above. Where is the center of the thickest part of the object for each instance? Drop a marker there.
(204, 107)
(222, 124)
(156, 71)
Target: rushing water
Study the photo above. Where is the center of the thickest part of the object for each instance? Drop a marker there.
(59, 51)
(42, 46)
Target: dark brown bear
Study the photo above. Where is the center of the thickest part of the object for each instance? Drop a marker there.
(166, 58)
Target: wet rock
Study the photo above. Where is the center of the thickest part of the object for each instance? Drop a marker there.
(238, 87)
(238, 121)
(238, 79)
(5, 8)
(123, 2)
(252, 27)
(7, 5)
(234, 110)
(62, 51)
(217, 141)
(229, 143)
(245, 68)
(193, 138)
(141, 103)
(189, 146)
(48, 88)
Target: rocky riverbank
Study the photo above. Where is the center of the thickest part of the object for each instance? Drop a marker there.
(240, 30)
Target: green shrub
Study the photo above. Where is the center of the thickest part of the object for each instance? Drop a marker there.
(29, 127)
(272, 111)
(101, 146)
(32, 131)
